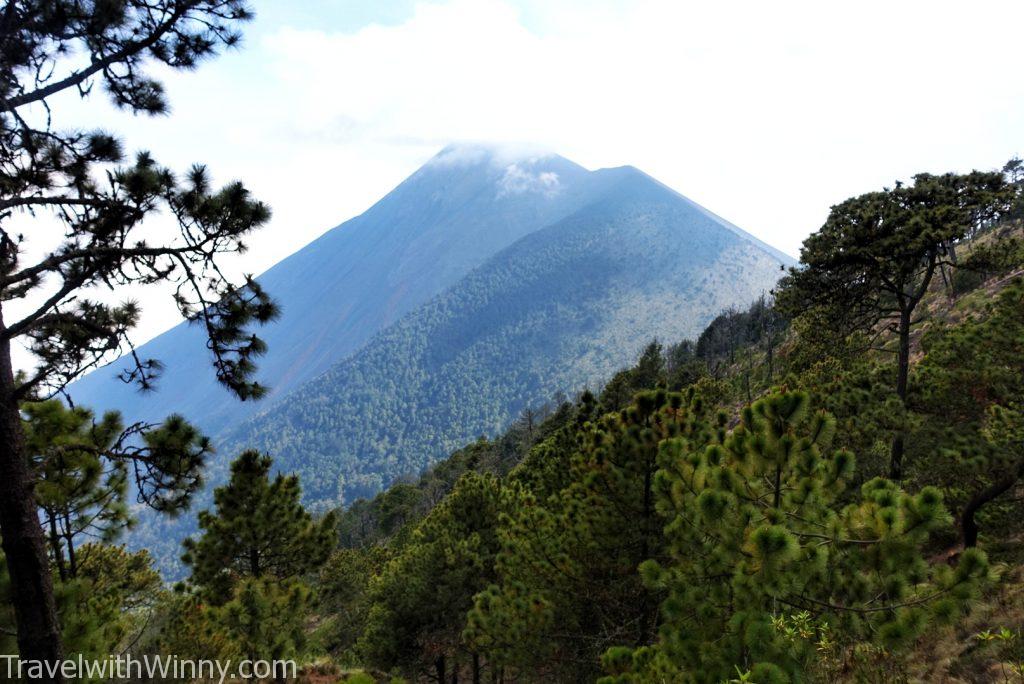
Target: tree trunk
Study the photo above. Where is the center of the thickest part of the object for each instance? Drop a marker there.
(648, 510)
(777, 499)
(439, 667)
(902, 374)
(968, 524)
(55, 548)
(70, 539)
(254, 562)
(23, 541)
(476, 668)
(648, 614)
(947, 282)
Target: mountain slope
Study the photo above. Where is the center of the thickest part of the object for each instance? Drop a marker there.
(561, 308)
(460, 208)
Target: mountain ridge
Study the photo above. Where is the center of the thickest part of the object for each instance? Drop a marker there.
(419, 238)
(490, 285)
(598, 237)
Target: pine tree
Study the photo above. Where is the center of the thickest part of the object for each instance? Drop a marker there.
(420, 600)
(80, 467)
(567, 585)
(265, 620)
(967, 440)
(83, 180)
(867, 269)
(182, 625)
(857, 392)
(648, 372)
(343, 590)
(81, 471)
(258, 530)
(80, 493)
(107, 605)
(100, 609)
(756, 533)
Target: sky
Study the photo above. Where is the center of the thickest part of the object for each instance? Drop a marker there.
(766, 113)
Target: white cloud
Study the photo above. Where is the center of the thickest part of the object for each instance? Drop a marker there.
(519, 180)
(497, 154)
(767, 113)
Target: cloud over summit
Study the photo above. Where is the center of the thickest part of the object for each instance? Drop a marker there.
(521, 179)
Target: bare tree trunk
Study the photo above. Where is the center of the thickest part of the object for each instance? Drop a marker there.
(947, 281)
(70, 539)
(902, 375)
(968, 524)
(23, 541)
(777, 497)
(254, 562)
(476, 668)
(55, 548)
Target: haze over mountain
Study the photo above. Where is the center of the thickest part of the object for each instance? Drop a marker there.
(560, 309)
(483, 284)
(460, 208)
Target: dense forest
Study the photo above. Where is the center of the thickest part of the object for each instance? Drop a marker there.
(554, 312)
(824, 487)
(724, 510)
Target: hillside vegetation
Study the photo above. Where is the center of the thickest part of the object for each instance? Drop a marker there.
(824, 486)
(561, 309)
(779, 498)
(723, 510)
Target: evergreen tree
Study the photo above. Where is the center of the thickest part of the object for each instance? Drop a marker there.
(183, 625)
(966, 442)
(101, 609)
(648, 372)
(857, 392)
(82, 179)
(259, 529)
(107, 605)
(682, 367)
(420, 600)
(546, 469)
(265, 620)
(81, 471)
(343, 589)
(755, 533)
(568, 586)
(80, 493)
(871, 264)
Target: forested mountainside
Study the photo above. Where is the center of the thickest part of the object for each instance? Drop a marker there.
(460, 208)
(645, 514)
(719, 511)
(559, 310)
(822, 487)
(531, 423)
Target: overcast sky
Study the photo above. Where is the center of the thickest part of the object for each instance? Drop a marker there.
(764, 112)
